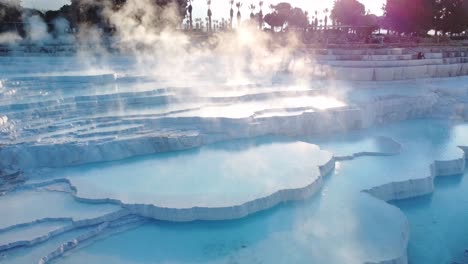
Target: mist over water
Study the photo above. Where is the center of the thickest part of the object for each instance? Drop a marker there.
(91, 124)
(150, 34)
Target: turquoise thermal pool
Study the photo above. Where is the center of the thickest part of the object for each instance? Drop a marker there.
(113, 166)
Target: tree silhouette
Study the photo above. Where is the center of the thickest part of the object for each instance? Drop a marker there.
(326, 17)
(316, 20)
(260, 15)
(209, 14)
(297, 18)
(409, 16)
(278, 16)
(348, 12)
(252, 9)
(231, 12)
(92, 12)
(283, 13)
(11, 17)
(450, 16)
(198, 23)
(190, 10)
(239, 16)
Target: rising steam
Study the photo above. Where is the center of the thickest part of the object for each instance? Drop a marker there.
(152, 35)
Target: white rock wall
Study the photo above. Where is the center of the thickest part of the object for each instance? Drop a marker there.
(418, 187)
(393, 73)
(224, 213)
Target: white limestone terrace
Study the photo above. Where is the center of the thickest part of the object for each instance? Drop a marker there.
(365, 145)
(218, 186)
(227, 181)
(231, 157)
(28, 206)
(53, 245)
(32, 216)
(31, 231)
(352, 145)
(48, 229)
(414, 161)
(386, 64)
(67, 113)
(448, 161)
(118, 125)
(60, 129)
(144, 117)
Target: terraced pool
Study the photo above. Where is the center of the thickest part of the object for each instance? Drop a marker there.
(118, 167)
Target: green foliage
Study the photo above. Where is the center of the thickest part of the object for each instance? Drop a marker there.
(409, 16)
(9, 12)
(420, 16)
(451, 16)
(10, 15)
(297, 18)
(348, 12)
(284, 13)
(91, 12)
(402, 16)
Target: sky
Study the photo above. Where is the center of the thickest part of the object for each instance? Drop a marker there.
(220, 8)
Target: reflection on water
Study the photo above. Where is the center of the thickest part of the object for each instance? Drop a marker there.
(340, 225)
(438, 222)
(224, 174)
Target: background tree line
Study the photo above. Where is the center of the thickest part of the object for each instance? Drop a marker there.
(400, 17)
(409, 17)
(13, 16)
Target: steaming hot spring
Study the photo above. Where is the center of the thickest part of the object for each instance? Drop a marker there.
(104, 162)
(154, 147)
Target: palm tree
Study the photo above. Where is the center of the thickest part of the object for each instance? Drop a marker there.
(260, 15)
(231, 12)
(326, 17)
(208, 2)
(190, 9)
(239, 16)
(252, 9)
(223, 23)
(316, 19)
(186, 22)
